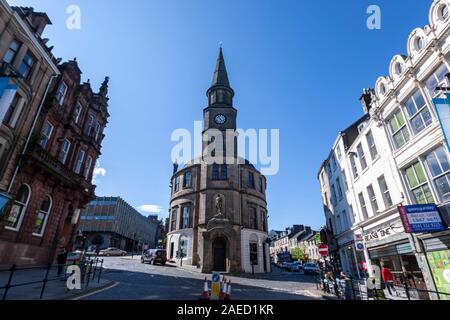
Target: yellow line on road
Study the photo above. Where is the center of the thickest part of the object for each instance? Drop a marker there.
(96, 292)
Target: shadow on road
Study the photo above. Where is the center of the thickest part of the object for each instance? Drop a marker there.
(151, 286)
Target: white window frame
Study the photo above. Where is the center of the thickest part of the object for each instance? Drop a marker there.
(432, 178)
(65, 152)
(78, 111)
(87, 167)
(24, 209)
(354, 167)
(362, 157)
(418, 112)
(97, 130)
(400, 128)
(373, 199)
(372, 145)
(385, 193)
(47, 137)
(60, 97)
(47, 214)
(79, 162)
(420, 185)
(363, 206)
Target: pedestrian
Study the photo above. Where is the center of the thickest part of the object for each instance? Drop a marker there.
(387, 277)
(61, 260)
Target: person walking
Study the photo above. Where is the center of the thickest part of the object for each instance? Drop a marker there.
(61, 260)
(387, 277)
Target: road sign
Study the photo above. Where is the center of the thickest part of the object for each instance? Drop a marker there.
(323, 250)
(359, 246)
(215, 286)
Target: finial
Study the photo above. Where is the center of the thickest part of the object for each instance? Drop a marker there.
(220, 44)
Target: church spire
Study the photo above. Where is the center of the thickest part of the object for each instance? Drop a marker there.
(220, 92)
(220, 77)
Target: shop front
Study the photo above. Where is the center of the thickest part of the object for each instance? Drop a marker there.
(353, 258)
(388, 245)
(437, 251)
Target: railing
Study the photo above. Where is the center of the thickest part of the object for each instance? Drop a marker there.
(91, 270)
(358, 289)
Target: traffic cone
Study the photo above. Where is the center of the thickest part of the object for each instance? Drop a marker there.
(205, 295)
(223, 292)
(228, 292)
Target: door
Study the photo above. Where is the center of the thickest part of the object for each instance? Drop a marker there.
(219, 254)
(264, 257)
(171, 249)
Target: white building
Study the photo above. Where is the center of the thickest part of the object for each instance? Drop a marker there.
(395, 155)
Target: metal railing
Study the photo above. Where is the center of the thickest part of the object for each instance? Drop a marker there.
(91, 270)
(358, 289)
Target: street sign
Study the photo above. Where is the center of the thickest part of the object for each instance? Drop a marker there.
(323, 250)
(359, 246)
(215, 286)
(443, 112)
(421, 218)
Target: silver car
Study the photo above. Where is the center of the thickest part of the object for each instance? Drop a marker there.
(112, 252)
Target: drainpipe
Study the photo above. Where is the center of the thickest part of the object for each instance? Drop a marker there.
(54, 76)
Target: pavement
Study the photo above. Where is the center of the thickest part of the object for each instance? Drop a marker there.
(28, 284)
(136, 281)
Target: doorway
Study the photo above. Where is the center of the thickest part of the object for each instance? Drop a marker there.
(220, 254)
(172, 248)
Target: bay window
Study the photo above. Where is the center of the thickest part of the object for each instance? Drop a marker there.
(185, 223)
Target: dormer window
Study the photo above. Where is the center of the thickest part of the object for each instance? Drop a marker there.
(398, 68)
(418, 43)
(443, 12)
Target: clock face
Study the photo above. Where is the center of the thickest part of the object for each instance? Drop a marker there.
(220, 119)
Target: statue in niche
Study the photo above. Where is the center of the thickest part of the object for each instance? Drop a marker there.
(219, 206)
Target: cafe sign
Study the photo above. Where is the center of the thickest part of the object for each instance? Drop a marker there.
(384, 231)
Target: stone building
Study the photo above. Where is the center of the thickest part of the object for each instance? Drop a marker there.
(53, 178)
(118, 224)
(218, 209)
(28, 69)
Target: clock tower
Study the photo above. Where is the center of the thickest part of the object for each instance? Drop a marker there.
(220, 113)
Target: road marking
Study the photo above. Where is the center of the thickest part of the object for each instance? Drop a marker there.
(96, 292)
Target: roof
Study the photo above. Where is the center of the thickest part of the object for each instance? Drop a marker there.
(220, 77)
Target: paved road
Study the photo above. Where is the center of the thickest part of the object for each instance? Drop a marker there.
(138, 281)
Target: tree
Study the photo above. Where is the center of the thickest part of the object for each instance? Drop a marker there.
(317, 238)
(298, 254)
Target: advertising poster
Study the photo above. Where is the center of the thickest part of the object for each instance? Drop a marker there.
(439, 262)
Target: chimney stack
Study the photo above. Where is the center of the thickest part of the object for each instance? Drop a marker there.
(366, 99)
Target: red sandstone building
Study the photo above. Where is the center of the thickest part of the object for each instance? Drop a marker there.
(53, 177)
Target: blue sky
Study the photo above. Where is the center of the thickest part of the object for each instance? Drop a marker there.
(297, 66)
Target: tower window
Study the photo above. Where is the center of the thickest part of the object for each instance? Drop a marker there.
(219, 172)
(251, 180)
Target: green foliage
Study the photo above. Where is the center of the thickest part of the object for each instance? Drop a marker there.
(298, 254)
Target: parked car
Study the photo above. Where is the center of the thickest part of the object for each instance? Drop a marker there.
(154, 256)
(311, 268)
(295, 266)
(112, 252)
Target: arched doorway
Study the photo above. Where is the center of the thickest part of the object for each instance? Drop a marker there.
(220, 254)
